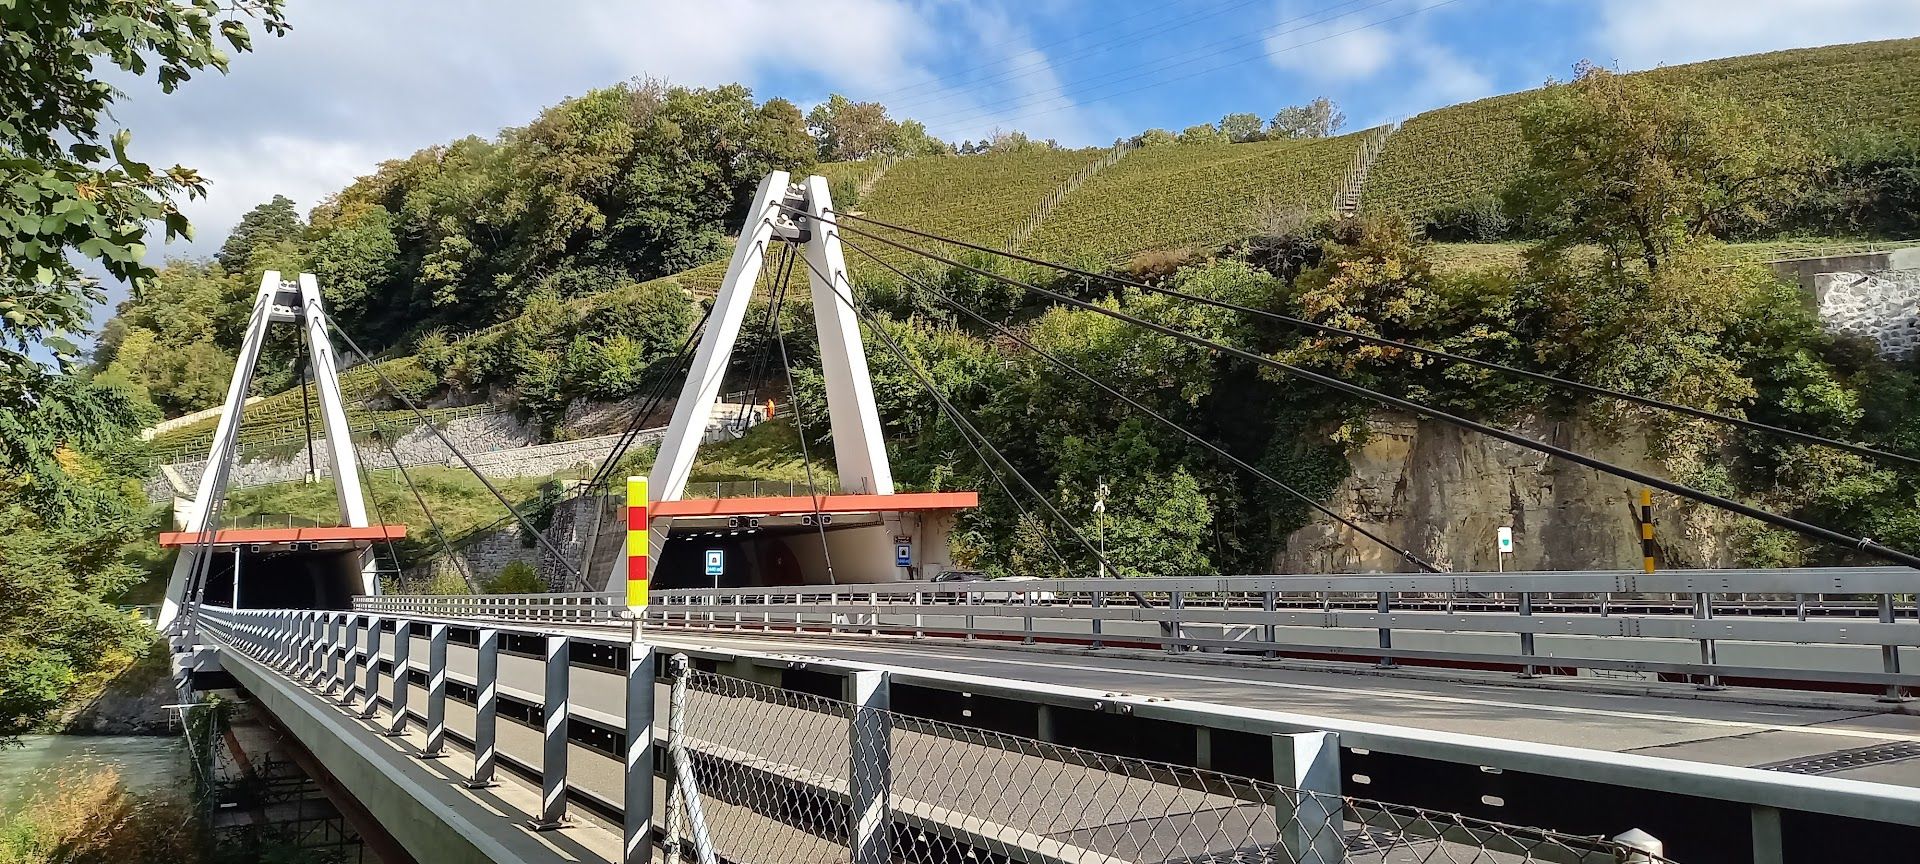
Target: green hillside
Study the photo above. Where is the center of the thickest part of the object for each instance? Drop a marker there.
(1837, 94)
(1174, 195)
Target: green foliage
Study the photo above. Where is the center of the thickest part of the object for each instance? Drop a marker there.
(1200, 195)
(276, 221)
(1320, 118)
(1837, 96)
(846, 131)
(518, 577)
(977, 198)
(67, 187)
(1204, 133)
(1639, 169)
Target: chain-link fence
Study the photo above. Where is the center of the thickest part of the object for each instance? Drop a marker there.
(781, 776)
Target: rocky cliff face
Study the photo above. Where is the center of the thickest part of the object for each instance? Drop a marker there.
(1444, 492)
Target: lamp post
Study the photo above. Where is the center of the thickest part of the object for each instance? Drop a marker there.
(1100, 522)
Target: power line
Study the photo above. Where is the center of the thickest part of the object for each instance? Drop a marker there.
(1594, 389)
(1195, 437)
(1806, 528)
(1134, 37)
(954, 76)
(1152, 71)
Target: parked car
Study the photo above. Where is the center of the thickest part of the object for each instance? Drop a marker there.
(1016, 596)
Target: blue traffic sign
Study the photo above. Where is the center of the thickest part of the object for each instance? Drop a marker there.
(716, 562)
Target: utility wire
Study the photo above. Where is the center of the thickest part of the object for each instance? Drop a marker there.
(446, 548)
(1027, 112)
(435, 429)
(1866, 545)
(1045, 65)
(960, 421)
(1594, 389)
(1163, 419)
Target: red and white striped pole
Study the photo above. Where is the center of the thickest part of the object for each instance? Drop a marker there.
(636, 545)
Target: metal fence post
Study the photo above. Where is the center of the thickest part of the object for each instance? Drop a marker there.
(1386, 633)
(436, 692)
(1703, 610)
(332, 674)
(371, 681)
(1767, 845)
(1310, 812)
(402, 667)
(1526, 636)
(553, 747)
(637, 821)
(870, 772)
(1099, 602)
(486, 678)
(1026, 621)
(349, 671)
(1890, 654)
(1176, 600)
(1270, 603)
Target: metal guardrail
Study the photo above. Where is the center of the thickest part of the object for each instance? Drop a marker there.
(557, 608)
(1257, 614)
(769, 773)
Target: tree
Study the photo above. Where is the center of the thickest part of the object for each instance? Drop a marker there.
(276, 221)
(1320, 118)
(67, 186)
(1203, 133)
(1240, 128)
(1154, 137)
(1639, 169)
(847, 130)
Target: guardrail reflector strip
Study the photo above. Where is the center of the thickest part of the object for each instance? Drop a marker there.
(637, 542)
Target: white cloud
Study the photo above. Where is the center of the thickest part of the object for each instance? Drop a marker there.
(1371, 44)
(1641, 34)
(358, 81)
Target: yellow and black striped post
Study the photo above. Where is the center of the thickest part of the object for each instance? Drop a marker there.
(1646, 530)
(636, 544)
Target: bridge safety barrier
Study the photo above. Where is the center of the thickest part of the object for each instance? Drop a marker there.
(761, 773)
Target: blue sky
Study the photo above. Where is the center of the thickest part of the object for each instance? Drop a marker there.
(359, 81)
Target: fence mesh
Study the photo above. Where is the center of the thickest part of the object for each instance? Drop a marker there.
(779, 774)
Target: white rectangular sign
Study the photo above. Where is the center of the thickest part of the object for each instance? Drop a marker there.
(1506, 540)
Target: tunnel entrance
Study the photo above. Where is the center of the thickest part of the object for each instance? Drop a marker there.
(749, 557)
(283, 578)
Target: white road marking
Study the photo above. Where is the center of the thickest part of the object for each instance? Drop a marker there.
(788, 646)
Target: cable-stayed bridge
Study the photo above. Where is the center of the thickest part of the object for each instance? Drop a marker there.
(834, 700)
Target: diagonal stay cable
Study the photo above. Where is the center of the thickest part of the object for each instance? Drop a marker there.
(372, 494)
(650, 400)
(526, 524)
(446, 548)
(1411, 558)
(793, 397)
(196, 585)
(967, 428)
(1555, 380)
(1797, 526)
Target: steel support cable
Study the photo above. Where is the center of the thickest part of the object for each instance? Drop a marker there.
(435, 429)
(1797, 526)
(1009, 333)
(1594, 389)
(799, 414)
(967, 429)
(210, 528)
(758, 369)
(650, 400)
(446, 548)
(379, 515)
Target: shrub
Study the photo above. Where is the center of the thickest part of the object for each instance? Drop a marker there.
(1479, 220)
(518, 577)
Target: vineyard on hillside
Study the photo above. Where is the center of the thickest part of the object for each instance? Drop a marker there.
(1174, 195)
(1454, 155)
(978, 198)
(278, 417)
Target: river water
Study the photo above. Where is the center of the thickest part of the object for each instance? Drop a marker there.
(145, 762)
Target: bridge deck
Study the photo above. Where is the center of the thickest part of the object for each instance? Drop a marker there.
(1666, 720)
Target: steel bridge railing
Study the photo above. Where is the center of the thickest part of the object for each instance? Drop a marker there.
(1709, 625)
(762, 773)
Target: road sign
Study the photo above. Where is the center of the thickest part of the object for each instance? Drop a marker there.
(902, 553)
(716, 562)
(1506, 540)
